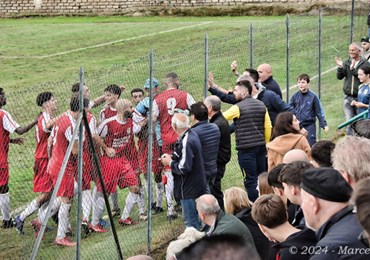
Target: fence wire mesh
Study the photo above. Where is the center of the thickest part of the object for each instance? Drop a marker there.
(269, 46)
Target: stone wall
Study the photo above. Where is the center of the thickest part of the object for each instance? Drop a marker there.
(17, 8)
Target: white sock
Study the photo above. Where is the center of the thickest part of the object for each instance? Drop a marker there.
(63, 220)
(169, 194)
(159, 190)
(32, 207)
(5, 205)
(86, 204)
(141, 201)
(130, 202)
(114, 200)
(98, 207)
(42, 211)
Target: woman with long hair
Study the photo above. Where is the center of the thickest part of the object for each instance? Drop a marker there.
(237, 203)
(285, 137)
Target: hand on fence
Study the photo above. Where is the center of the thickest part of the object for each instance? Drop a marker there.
(326, 128)
(339, 62)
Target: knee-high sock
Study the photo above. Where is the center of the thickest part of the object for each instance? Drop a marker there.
(159, 191)
(63, 220)
(31, 208)
(114, 200)
(98, 207)
(86, 204)
(5, 205)
(44, 207)
(141, 201)
(169, 194)
(130, 202)
(148, 189)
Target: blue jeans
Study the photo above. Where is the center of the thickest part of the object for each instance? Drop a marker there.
(190, 213)
(311, 137)
(252, 162)
(349, 111)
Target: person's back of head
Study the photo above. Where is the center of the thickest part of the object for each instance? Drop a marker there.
(295, 155)
(361, 128)
(219, 247)
(321, 153)
(199, 111)
(292, 172)
(263, 185)
(172, 80)
(236, 199)
(254, 74)
(113, 88)
(208, 205)
(273, 176)
(180, 121)
(269, 210)
(74, 104)
(214, 102)
(43, 97)
(351, 157)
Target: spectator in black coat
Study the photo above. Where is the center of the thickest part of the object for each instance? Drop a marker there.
(265, 77)
(213, 104)
(238, 204)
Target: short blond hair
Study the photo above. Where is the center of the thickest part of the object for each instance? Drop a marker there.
(236, 199)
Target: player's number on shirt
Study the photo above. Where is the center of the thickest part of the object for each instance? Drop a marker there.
(171, 105)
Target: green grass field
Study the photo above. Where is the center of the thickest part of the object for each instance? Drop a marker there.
(41, 54)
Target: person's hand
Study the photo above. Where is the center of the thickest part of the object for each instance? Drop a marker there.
(166, 159)
(326, 128)
(234, 67)
(110, 152)
(353, 103)
(304, 132)
(339, 62)
(122, 87)
(211, 79)
(18, 141)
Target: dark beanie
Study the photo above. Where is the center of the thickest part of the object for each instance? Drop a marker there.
(327, 184)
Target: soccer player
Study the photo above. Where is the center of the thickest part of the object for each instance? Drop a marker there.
(61, 137)
(164, 107)
(117, 163)
(41, 180)
(8, 126)
(141, 115)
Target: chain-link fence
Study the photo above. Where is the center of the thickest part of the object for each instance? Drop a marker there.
(300, 44)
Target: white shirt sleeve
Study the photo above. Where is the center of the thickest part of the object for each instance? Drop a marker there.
(69, 133)
(45, 120)
(189, 100)
(9, 124)
(155, 108)
(103, 129)
(92, 126)
(136, 128)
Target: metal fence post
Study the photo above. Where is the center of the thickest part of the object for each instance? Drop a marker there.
(287, 56)
(352, 25)
(319, 61)
(150, 153)
(205, 65)
(251, 45)
(79, 169)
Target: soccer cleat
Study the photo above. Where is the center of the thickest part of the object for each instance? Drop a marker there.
(171, 217)
(65, 242)
(97, 228)
(85, 230)
(19, 225)
(154, 206)
(143, 217)
(104, 223)
(126, 222)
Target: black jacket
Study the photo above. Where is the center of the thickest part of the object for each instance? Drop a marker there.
(187, 167)
(261, 242)
(339, 237)
(209, 136)
(272, 85)
(224, 151)
(297, 245)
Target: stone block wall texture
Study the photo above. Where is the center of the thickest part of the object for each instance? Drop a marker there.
(16, 8)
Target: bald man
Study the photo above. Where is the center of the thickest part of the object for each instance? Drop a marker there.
(295, 155)
(265, 77)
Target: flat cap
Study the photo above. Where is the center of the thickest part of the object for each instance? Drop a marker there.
(327, 184)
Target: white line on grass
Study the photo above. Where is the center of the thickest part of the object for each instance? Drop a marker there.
(106, 43)
(314, 77)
